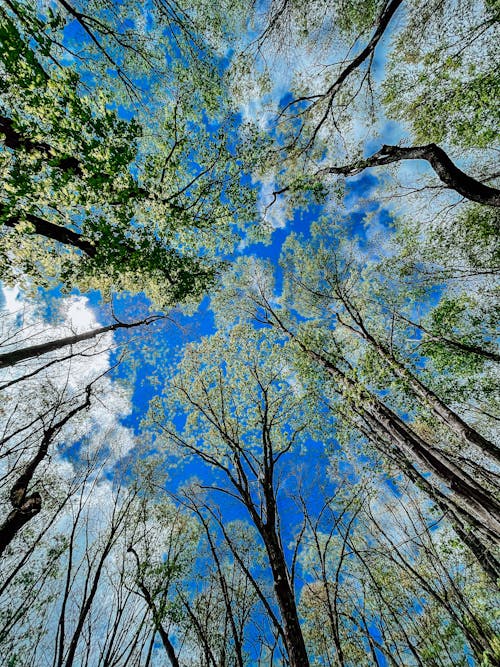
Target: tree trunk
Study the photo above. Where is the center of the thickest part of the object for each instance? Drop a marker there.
(18, 517)
(471, 497)
(51, 231)
(294, 639)
(84, 611)
(446, 415)
(453, 177)
(14, 357)
(165, 639)
(14, 140)
(450, 342)
(25, 506)
(453, 512)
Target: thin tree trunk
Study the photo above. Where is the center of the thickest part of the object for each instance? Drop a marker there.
(382, 23)
(225, 594)
(165, 639)
(465, 620)
(70, 658)
(88, 600)
(25, 506)
(201, 633)
(446, 415)
(14, 357)
(463, 347)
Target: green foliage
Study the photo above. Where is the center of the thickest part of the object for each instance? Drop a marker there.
(452, 109)
(443, 74)
(149, 213)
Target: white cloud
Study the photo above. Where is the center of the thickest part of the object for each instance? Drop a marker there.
(64, 373)
(272, 209)
(12, 299)
(80, 315)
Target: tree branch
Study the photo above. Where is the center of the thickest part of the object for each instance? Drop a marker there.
(453, 177)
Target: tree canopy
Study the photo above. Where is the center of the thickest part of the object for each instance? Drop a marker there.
(249, 333)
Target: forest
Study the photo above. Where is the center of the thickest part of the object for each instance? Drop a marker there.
(249, 315)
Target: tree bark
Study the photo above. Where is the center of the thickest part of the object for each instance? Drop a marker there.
(474, 501)
(14, 140)
(445, 414)
(453, 177)
(11, 358)
(453, 512)
(51, 231)
(294, 639)
(25, 506)
(263, 598)
(22, 513)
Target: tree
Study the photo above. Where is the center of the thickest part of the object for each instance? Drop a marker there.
(335, 283)
(316, 481)
(22, 354)
(165, 529)
(87, 200)
(367, 574)
(453, 177)
(343, 80)
(41, 409)
(359, 403)
(95, 557)
(26, 505)
(242, 420)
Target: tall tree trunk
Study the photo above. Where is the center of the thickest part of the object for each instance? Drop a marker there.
(475, 502)
(258, 590)
(294, 639)
(453, 512)
(87, 603)
(473, 499)
(14, 357)
(445, 414)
